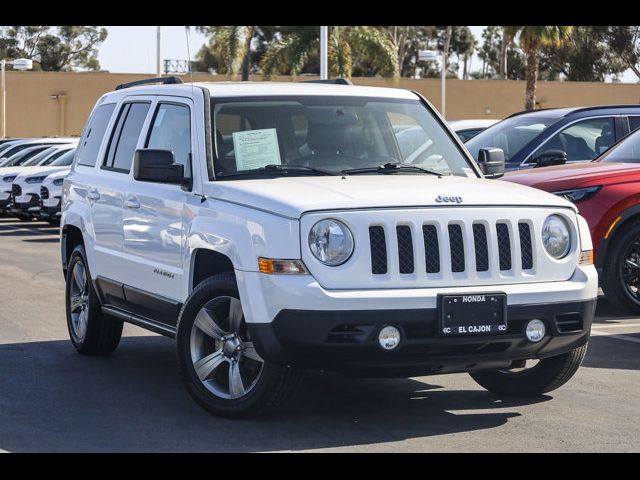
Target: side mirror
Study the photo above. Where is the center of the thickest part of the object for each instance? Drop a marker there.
(150, 165)
(491, 161)
(550, 158)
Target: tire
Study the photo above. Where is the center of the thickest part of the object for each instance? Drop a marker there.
(218, 333)
(613, 282)
(547, 375)
(95, 334)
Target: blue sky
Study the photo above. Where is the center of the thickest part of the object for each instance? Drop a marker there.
(132, 49)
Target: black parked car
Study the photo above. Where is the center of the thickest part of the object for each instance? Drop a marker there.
(556, 136)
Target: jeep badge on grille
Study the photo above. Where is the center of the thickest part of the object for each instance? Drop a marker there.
(448, 199)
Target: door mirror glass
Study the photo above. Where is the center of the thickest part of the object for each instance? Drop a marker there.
(549, 158)
(152, 165)
(491, 161)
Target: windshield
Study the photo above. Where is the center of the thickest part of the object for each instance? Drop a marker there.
(511, 135)
(329, 135)
(37, 159)
(21, 157)
(64, 160)
(627, 151)
(53, 157)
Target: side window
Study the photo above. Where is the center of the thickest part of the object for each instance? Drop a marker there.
(583, 140)
(92, 138)
(124, 138)
(171, 130)
(634, 123)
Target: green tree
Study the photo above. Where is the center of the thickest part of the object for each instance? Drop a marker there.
(54, 48)
(624, 41)
(532, 39)
(584, 57)
(234, 49)
(347, 46)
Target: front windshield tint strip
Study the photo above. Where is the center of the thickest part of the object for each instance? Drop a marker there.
(254, 137)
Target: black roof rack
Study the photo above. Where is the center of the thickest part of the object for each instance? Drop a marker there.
(146, 81)
(598, 107)
(334, 81)
(522, 112)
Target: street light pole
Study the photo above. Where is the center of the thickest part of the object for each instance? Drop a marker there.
(158, 54)
(324, 62)
(443, 83)
(4, 100)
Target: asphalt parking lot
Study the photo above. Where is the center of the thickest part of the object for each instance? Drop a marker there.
(54, 400)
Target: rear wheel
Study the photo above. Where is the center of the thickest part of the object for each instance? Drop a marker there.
(621, 276)
(220, 366)
(531, 380)
(91, 332)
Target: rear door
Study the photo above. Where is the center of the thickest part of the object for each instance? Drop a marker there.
(107, 194)
(153, 218)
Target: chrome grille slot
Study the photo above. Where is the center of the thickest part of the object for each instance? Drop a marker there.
(504, 246)
(481, 247)
(405, 248)
(456, 246)
(431, 248)
(378, 244)
(526, 249)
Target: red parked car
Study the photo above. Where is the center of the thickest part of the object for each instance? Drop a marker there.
(607, 193)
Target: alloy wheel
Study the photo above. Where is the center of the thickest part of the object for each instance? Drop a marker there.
(224, 357)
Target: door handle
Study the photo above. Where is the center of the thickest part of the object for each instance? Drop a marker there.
(93, 194)
(132, 203)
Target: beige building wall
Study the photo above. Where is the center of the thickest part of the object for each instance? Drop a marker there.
(58, 103)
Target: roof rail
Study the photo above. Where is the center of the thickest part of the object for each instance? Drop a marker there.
(333, 81)
(522, 112)
(598, 107)
(146, 81)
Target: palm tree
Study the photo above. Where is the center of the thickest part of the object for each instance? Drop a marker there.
(532, 39)
(508, 34)
(233, 45)
(290, 53)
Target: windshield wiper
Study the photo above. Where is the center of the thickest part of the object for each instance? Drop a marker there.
(391, 168)
(275, 168)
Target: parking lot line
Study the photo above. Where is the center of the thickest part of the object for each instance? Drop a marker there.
(626, 338)
(617, 325)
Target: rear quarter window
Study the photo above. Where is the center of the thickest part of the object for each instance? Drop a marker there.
(91, 140)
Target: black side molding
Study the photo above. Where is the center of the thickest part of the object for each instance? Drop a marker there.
(162, 80)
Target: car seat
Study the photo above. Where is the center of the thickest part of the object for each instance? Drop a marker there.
(605, 140)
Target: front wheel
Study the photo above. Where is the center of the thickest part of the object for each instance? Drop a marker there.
(546, 375)
(220, 366)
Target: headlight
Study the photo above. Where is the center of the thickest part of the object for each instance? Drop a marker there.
(58, 182)
(331, 242)
(579, 194)
(556, 236)
(35, 179)
(9, 178)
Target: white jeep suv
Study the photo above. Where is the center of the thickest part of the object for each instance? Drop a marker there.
(274, 227)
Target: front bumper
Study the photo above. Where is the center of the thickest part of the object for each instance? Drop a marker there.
(27, 203)
(293, 320)
(347, 340)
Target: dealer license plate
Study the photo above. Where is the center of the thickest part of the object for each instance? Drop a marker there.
(477, 314)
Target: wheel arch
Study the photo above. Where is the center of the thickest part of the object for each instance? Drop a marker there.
(627, 217)
(205, 263)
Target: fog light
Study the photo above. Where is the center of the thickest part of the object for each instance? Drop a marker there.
(535, 330)
(389, 338)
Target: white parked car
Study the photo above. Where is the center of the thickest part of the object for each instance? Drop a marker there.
(26, 187)
(467, 129)
(272, 227)
(51, 196)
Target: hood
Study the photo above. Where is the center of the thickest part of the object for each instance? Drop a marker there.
(564, 177)
(293, 196)
(59, 174)
(40, 171)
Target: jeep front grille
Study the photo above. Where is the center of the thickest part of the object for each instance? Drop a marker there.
(44, 193)
(433, 238)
